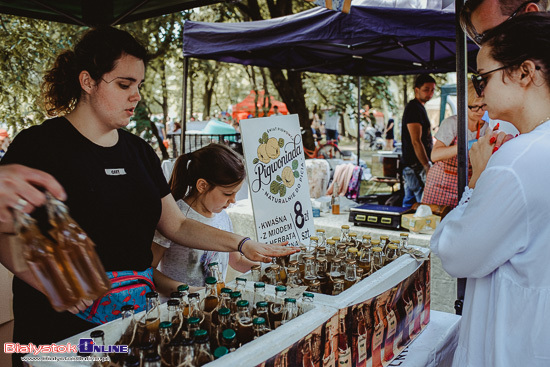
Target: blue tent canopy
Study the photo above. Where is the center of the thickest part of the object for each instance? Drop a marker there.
(367, 41)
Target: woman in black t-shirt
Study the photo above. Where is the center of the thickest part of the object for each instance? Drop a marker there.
(115, 187)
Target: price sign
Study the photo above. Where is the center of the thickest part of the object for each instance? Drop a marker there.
(279, 188)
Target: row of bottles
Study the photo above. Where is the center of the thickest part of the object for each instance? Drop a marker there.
(330, 266)
(194, 331)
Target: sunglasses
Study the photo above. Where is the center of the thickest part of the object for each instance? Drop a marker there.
(478, 38)
(477, 108)
(480, 80)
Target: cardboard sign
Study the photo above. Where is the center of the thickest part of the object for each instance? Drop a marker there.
(279, 188)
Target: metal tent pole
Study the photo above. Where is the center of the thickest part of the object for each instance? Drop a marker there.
(461, 91)
(184, 104)
(358, 118)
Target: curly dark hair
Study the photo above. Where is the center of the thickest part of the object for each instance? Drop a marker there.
(97, 53)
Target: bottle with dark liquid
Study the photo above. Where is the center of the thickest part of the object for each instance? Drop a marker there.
(377, 258)
(245, 331)
(183, 290)
(211, 297)
(152, 319)
(194, 307)
(259, 293)
(290, 310)
(216, 273)
(165, 332)
(193, 324)
(331, 251)
(152, 360)
(335, 200)
(202, 348)
(224, 322)
(183, 354)
(235, 297)
(99, 339)
(127, 335)
(344, 351)
(220, 352)
(337, 286)
(258, 324)
(229, 340)
(350, 275)
(391, 253)
(276, 308)
(310, 273)
(364, 261)
(262, 310)
(322, 275)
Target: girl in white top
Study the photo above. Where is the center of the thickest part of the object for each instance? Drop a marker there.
(498, 235)
(204, 183)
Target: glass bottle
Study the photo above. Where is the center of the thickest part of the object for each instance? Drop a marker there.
(293, 278)
(344, 233)
(234, 298)
(220, 352)
(359, 273)
(275, 274)
(337, 287)
(352, 253)
(344, 351)
(353, 241)
(322, 274)
(128, 334)
(224, 322)
(321, 252)
(215, 272)
(256, 273)
(152, 360)
(335, 200)
(331, 250)
(194, 306)
(165, 332)
(202, 348)
(152, 319)
(313, 243)
(366, 241)
(315, 286)
(384, 241)
(350, 274)
(341, 252)
(211, 297)
(259, 327)
(377, 258)
(240, 284)
(99, 339)
(364, 261)
(262, 310)
(391, 253)
(132, 361)
(225, 302)
(307, 302)
(245, 331)
(276, 308)
(310, 273)
(193, 324)
(184, 303)
(174, 316)
(229, 340)
(183, 354)
(336, 269)
(290, 310)
(404, 242)
(321, 234)
(259, 293)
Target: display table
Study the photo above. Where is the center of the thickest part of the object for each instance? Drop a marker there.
(436, 345)
(443, 286)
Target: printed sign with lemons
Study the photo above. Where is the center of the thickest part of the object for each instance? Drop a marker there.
(279, 189)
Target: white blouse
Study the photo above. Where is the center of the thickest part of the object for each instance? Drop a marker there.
(498, 238)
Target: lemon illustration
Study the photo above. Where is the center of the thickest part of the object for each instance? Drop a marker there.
(288, 177)
(262, 153)
(272, 148)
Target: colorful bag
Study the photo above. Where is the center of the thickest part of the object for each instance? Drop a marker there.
(127, 287)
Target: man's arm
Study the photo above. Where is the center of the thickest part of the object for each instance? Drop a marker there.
(415, 131)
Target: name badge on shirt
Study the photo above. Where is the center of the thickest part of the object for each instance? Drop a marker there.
(115, 171)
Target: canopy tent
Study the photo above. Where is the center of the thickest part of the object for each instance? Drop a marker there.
(368, 41)
(95, 12)
(248, 106)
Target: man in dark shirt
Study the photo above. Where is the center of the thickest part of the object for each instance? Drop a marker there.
(416, 138)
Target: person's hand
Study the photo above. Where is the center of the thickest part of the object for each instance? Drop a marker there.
(482, 150)
(263, 252)
(80, 306)
(18, 189)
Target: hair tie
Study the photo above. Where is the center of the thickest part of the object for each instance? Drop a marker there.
(188, 163)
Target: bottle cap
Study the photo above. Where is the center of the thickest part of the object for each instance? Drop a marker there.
(151, 295)
(176, 295)
(345, 226)
(229, 334)
(186, 341)
(127, 308)
(165, 325)
(224, 311)
(392, 246)
(353, 249)
(314, 238)
(212, 264)
(226, 290)
(261, 304)
(220, 352)
(375, 242)
(242, 303)
(320, 230)
(308, 294)
(173, 302)
(366, 237)
(183, 288)
(193, 320)
(353, 234)
(258, 321)
(241, 279)
(377, 249)
(97, 334)
(151, 357)
(404, 234)
(235, 295)
(280, 288)
(259, 285)
(201, 333)
(290, 300)
(132, 361)
(194, 295)
(331, 242)
(335, 238)
(210, 280)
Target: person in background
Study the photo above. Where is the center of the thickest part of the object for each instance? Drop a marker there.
(276, 111)
(416, 137)
(389, 134)
(497, 237)
(204, 183)
(332, 119)
(442, 180)
(114, 184)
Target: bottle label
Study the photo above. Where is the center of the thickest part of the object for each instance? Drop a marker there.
(392, 324)
(409, 311)
(420, 298)
(361, 348)
(344, 359)
(378, 335)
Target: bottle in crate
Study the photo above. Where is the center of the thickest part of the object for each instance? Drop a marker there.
(211, 297)
(276, 308)
(220, 352)
(175, 317)
(350, 276)
(259, 293)
(310, 273)
(353, 241)
(216, 273)
(245, 330)
(322, 274)
(240, 284)
(224, 322)
(183, 353)
(293, 279)
(321, 235)
(259, 324)
(290, 310)
(366, 241)
(344, 233)
(183, 290)
(392, 253)
(202, 348)
(152, 319)
(194, 306)
(365, 260)
(165, 332)
(229, 340)
(315, 286)
(262, 310)
(307, 302)
(256, 273)
(193, 324)
(331, 250)
(235, 297)
(225, 302)
(377, 258)
(404, 242)
(98, 337)
(337, 286)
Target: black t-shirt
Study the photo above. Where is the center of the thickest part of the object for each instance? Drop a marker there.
(415, 113)
(114, 194)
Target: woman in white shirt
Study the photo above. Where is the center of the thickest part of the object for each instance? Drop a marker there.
(498, 235)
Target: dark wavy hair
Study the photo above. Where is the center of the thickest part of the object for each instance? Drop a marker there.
(526, 37)
(216, 163)
(96, 52)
